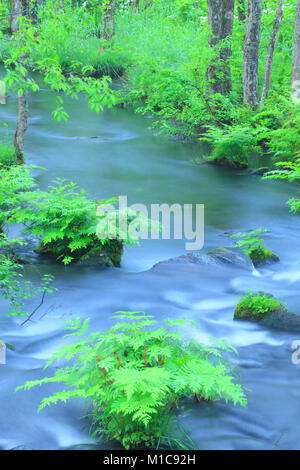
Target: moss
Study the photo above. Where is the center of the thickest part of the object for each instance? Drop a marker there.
(261, 256)
(256, 306)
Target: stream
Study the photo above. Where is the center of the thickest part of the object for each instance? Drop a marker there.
(115, 153)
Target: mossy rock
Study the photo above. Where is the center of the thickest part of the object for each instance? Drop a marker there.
(226, 162)
(259, 171)
(265, 309)
(108, 253)
(261, 257)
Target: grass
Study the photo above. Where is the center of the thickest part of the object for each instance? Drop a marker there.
(7, 154)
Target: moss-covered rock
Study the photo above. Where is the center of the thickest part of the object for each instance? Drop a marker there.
(108, 253)
(260, 257)
(265, 309)
(256, 306)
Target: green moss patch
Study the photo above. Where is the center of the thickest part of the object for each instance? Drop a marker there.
(256, 306)
(261, 256)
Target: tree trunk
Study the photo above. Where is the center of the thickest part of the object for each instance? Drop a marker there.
(220, 20)
(136, 5)
(109, 9)
(15, 13)
(296, 55)
(22, 124)
(272, 44)
(252, 39)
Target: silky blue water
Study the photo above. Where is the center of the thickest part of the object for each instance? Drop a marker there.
(115, 153)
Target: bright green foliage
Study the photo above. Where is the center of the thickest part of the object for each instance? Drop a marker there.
(135, 375)
(64, 218)
(12, 287)
(162, 53)
(287, 171)
(65, 221)
(254, 246)
(35, 52)
(7, 151)
(232, 145)
(256, 306)
(13, 181)
(7, 155)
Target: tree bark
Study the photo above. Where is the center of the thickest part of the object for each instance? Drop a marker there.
(108, 23)
(23, 7)
(252, 39)
(22, 126)
(15, 13)
(272, 44)
(220, 20)
(296, 55)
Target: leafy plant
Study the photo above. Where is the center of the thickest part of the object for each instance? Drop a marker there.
(254, 246)
(12, 286)
(287, 171)
(134, 377)
(256, 305)
(232, 144)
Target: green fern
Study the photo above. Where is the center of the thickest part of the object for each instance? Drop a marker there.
(134, 376)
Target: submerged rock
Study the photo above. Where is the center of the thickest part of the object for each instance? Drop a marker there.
(218, 256)
(265, 309)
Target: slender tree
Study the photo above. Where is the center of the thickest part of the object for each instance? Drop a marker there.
(220, 20)
(296, 55)
(272, 44)
(252, 40)
(23, 8)
(108, 22)
(15, 13)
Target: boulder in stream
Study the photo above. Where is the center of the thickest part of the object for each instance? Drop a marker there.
(218, 256)
(265, 309)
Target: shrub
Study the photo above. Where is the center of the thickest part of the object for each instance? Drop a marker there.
(232, 145)
(65, 221)
(256, 306)
(135, 376)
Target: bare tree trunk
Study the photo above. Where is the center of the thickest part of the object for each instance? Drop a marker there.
(272, 44)
(252, 39)
(136, 5)
(15, 13)
(22, 126)
(296, 55)
(22, 123)
(241, 11)
(220, 20)
(109, 9)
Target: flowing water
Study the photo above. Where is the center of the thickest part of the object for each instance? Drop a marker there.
(112, 154)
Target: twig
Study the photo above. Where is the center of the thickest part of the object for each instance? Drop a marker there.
(32, 313)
